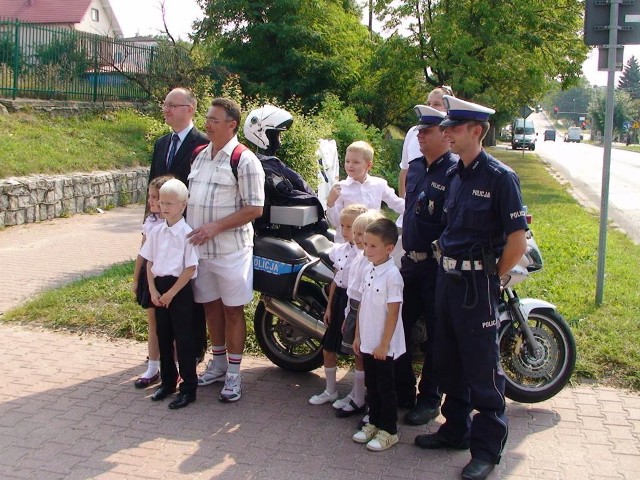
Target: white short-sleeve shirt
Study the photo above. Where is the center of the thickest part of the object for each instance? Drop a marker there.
(214, 193)
(342, 256)
(410, 148)
(170, 250)
(381, 284)
(151, 222)
(356, 271)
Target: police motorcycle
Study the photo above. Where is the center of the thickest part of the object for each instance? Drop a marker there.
(537, 347)
(291, 263)
(292, 271)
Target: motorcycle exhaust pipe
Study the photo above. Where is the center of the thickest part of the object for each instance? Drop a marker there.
(296, 317)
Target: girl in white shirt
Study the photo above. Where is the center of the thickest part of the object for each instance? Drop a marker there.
(140, 285)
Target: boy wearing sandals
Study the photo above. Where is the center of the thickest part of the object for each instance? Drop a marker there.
(379, 334)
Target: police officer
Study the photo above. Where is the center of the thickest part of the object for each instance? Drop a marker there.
(483, 240)
(422, 224)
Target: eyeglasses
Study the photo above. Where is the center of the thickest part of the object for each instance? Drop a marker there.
(216, 121)
(171, 106)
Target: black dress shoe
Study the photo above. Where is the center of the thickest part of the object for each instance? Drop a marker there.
(434, 441)
(421, 414)
(182, 400)
(477, 469)
(143, 382)
(162, 392)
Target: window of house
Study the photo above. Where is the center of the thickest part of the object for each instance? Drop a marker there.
(95, 15)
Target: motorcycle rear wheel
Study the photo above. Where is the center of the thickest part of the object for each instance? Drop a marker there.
(285, 345)
(532, 379)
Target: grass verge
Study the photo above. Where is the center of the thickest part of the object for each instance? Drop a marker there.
(39, 143)
(608, 336)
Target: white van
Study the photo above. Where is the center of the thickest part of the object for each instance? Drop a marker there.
(523, 134)
(574, 134)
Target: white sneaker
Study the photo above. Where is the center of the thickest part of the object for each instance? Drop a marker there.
(342, 402)
(211, 375)
(232, 390)
(324, 397)
(365, 434)
(382, 441)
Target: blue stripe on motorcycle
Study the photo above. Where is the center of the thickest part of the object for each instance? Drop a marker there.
(274, 267)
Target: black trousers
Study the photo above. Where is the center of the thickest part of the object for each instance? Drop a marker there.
(468, 362)
(176, 323)
(418, 300)
(381, 393)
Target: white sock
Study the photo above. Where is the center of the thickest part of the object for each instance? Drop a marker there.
(220, 357)
(153, 367)
(330, 374)
(234, 363)
(359, 388)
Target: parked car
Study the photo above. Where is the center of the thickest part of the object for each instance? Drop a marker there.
(550, 135)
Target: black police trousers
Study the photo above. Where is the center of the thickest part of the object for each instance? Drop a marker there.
(418, 300)
(467, 362)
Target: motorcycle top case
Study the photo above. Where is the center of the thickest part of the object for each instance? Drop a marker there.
(276, 263)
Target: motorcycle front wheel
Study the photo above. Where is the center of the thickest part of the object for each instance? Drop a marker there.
(534, 378)
(285, 345)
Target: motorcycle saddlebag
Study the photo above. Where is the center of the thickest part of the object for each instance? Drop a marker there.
(276, 263)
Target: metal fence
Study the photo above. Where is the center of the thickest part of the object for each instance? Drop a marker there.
(63, 64)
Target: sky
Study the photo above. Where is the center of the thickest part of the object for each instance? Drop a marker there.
(143, 17)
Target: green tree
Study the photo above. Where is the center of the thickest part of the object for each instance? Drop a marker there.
(67, 53)
(498, 53)
(288, 48)
(391, 85)
(630, 78)
(8, 52)
(621, 110)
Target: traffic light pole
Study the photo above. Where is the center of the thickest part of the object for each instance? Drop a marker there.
(608, 138)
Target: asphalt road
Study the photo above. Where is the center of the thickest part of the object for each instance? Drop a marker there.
(581, 165)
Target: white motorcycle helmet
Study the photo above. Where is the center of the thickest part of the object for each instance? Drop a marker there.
(264, 119)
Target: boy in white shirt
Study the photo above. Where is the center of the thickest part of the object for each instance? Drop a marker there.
(379, 335)
(360, 187)
(171, 264)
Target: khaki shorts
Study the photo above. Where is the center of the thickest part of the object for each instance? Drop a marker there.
(229, 278)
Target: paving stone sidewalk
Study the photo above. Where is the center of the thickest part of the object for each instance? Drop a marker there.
(68, 409)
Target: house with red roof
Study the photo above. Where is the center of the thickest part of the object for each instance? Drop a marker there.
(92, 16)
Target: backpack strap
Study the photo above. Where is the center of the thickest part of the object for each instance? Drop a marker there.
(196, 151)
(235, 158)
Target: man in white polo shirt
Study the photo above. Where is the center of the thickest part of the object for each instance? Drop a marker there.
(223, 200)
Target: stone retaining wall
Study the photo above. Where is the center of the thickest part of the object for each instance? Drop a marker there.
(42, 197)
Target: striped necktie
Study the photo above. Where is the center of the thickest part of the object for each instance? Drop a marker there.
(172, 151)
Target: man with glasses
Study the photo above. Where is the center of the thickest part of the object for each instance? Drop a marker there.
(223, 200)
(172, 155)
(426, 183)
(172, 152)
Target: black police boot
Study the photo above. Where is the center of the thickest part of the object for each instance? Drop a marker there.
(421, 414)
(477, 469)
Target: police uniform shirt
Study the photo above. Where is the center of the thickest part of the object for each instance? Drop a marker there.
(170, 250)
(381, 284)
(424, 202)
(483, 205)
(342, 256)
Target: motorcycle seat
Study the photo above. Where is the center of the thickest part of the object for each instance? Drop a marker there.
(318, 246)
